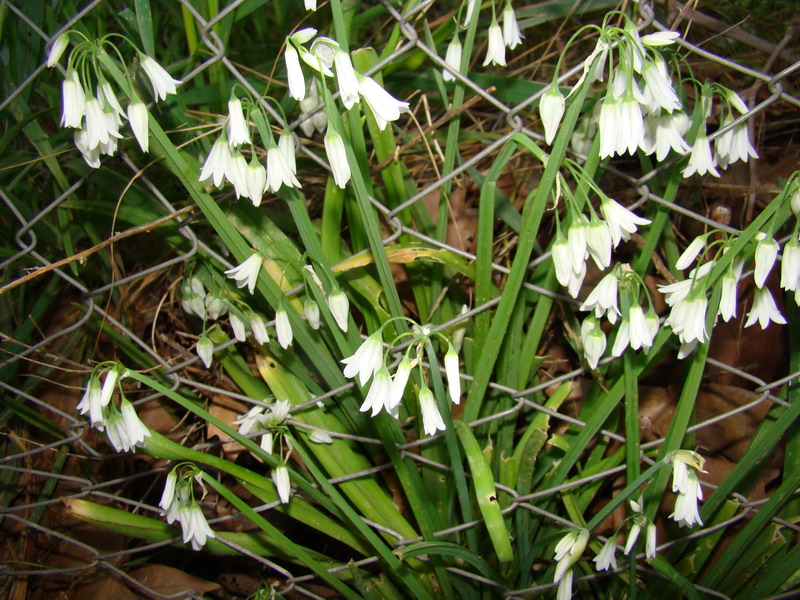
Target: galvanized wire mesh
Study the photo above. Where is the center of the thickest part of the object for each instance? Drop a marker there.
(30, 262)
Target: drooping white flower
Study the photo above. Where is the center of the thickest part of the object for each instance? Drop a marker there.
(568, 550)
(287, 147)
(633, 535)
(139, 116)
(790, 265)
(766, 253)
(317, 121)
(764, 310)
(279, 171)
(90, 155)
(496, 51)
(551, 109)
(196, 529)
(453, 58)
(163, 83)
(512, 36)
(739, 147)
(640, 333)
(100, 125)
(311, 311)
(193, 295)
(283, 328)
(366, 360)
(346, 76)
(593, 340)
(320, 437)
(659, 85)
(650, 541)
(662, 133)
(688, 319)
(321, 56)
(246, 274)
(73, 99)
(621, 222)
(451, 371)
(280, 477)
(238, 132)
(431, 418)
(106, 96)
(255, 176)
(109, 386)
(692, 250)
(399, 382)
(251, 421)
(305, 35)
(700, 160)
(136, 430)
(311, 4)
(607, 558)
(562, 259)
(215, 306)
(337, 157)
(168, 495)
(576, 237)
(631, 124)
(294, 73)
(686, 512)
(57, 50)
(117, 431)
(219, 163)
(680, 290)
(91, 402)
(205, 350)
(660, 38)
(383, 105)
(576, 280)
(379, 393)
(471, 6)
(623, 338)
(603, 299)
(729, 283)
(259, 328)
(565, 586)
(339, 306)
(599, 243)
(238, 326)
(238, 175)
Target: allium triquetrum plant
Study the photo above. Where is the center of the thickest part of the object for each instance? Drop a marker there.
(433, 284)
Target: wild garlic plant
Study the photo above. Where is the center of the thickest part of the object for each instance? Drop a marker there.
(294, 301)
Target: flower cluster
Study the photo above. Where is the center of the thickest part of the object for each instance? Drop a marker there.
(269, 423)
(688, 298)
(122, 425)
(567, 552)
(386, 392)
(686, 485)
(211, 305)
(641, 109)
(178, 504)
(637, 328)
(328, 59)
(99, 117)
(251, 179)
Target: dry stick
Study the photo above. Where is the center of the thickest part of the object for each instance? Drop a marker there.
(85, 253)
(438, 123)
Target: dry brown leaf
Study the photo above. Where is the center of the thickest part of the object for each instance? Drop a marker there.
(168, 581)
(227, 410)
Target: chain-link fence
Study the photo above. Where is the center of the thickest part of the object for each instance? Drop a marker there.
(35, 482)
